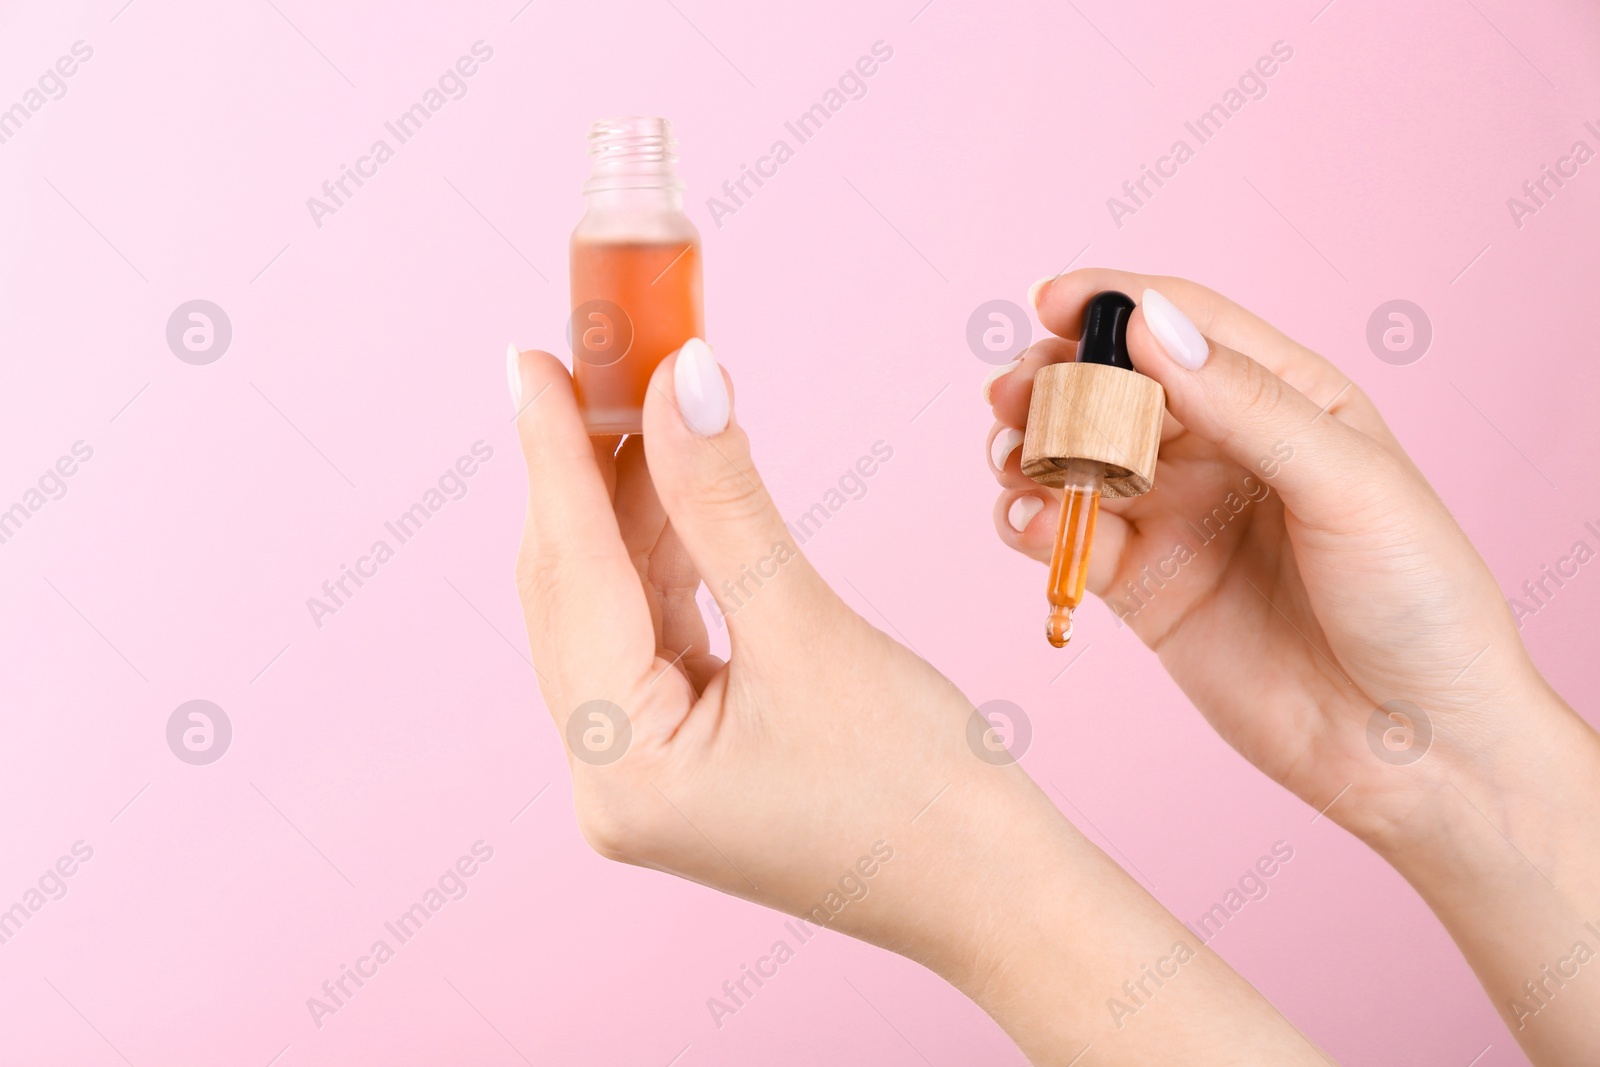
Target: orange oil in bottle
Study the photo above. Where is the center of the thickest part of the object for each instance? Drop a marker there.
(634, 304)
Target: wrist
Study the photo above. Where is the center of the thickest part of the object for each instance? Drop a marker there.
(1031, 910)
(1065, 952)
(961, 865)
(1479, 802)
(1502, 851)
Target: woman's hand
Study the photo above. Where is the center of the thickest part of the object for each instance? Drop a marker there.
(1309, 591)
(769, 777)
(1292, 568)
(823, 770)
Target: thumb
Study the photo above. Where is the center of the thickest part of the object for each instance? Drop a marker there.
(699, 460)
(1257, 419)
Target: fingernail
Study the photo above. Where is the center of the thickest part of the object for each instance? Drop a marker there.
(1022, 511)
(702, 395)
(514, 374)
(1038, 287)
(1177, 336)
(995, 375)
(1005, 442)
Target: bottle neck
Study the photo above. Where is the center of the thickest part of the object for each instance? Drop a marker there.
(629, 201)
(633, 155)
(633, 192)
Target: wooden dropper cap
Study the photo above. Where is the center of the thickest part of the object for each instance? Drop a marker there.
(1097, 408)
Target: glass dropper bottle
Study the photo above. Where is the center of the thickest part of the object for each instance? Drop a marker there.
(636, 291)
(1094, 427)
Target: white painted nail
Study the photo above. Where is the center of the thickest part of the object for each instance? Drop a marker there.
(702, 394)
(1037, 287)
(995, 375)
(514, 375)
(1177, 335)
(1005, 442)
(1022, 511)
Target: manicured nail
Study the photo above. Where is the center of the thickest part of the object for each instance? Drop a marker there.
(702, 395)
(1038, 287)
(1022, 511)
(1005, 442)
(995, 375)
(514, 374)
(1177, 335)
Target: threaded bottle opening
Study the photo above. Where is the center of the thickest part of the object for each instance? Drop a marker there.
(636, 152)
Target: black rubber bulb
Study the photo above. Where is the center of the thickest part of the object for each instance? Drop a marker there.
(1105, 330)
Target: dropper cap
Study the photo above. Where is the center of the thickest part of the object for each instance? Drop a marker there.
(1089, 409)
(1105, 330)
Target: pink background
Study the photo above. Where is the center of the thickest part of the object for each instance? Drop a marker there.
(369, 753)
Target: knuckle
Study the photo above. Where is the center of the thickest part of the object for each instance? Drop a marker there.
(733, 492)
(1257, 393)
(548, 566)
(538, 574)
(610, 835)
(620, 822)
(1374, 464)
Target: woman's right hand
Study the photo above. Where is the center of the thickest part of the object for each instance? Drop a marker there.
(1292, 567)
(1313, 596)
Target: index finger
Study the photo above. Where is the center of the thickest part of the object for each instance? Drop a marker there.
(1060, 302)
(589, 625)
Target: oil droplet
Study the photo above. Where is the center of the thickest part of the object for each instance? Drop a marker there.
(1058, 628)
